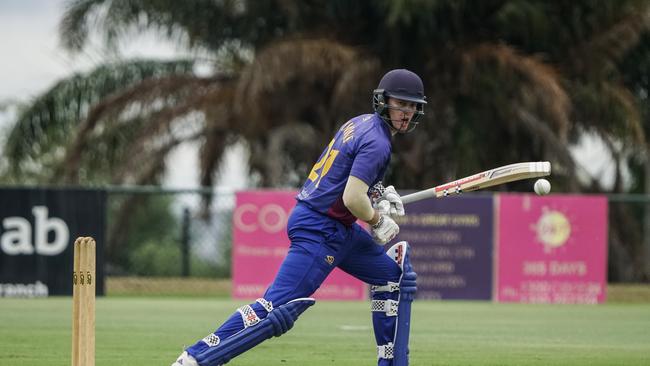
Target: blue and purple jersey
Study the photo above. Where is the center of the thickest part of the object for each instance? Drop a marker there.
(361, 148)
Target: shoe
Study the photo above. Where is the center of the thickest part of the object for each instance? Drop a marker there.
(185, 360)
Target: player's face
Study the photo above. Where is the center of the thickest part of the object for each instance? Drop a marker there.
(400, 113)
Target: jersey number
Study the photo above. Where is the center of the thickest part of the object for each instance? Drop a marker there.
(323, 166)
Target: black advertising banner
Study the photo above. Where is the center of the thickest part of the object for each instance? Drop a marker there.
(37, 229)
(451, 244)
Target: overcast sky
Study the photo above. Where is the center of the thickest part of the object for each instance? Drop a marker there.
(28, 41)
(32, 59)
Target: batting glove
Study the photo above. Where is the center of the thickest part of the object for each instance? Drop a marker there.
(390, 203)
(384, 230)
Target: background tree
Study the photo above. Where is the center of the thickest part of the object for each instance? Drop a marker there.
(507, 80)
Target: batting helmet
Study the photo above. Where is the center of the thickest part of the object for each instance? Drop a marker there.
(399, 84)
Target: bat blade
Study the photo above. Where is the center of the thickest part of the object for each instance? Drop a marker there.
(488, 178)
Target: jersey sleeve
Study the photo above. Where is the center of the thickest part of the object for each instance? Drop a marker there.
(370, 161)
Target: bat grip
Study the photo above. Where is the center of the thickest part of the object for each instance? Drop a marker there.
(418, 196)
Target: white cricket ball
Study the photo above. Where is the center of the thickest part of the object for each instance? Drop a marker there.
(542, 187)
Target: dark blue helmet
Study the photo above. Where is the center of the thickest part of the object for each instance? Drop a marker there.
(399, 84)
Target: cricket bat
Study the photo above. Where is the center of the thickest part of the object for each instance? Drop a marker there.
(488, 178)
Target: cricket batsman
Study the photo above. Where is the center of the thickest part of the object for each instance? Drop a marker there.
(345, 185)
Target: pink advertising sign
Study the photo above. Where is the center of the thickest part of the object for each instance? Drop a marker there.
(551, 249)
(260, 243)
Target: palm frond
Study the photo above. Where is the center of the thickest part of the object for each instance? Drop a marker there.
(303, 71)
(50, 122)
(157, 101)
(522, 79)
(600, 54)
(205, 23)
(609, 110)
(352, 92)
(76, 22)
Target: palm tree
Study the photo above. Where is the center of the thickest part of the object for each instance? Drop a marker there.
(481, 71)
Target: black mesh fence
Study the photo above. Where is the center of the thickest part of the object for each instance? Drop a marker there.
(168, 233)
(629, 238)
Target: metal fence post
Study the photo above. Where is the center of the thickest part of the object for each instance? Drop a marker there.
(185, 244)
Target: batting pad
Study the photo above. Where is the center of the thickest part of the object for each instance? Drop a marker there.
(276, 323)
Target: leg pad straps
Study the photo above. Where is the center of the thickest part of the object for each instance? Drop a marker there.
(276, 323)
(398, 306)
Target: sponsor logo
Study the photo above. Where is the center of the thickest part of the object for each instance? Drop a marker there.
(270, 218)
(553, 229)
(37, 289)
(457, 183)
(399, 254)
(50, 234)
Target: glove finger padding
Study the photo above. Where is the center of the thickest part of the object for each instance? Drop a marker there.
(383, 207)
(385, 230)
(391, 195)
(396, 205)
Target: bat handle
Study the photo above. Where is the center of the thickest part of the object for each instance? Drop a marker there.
(419, 196)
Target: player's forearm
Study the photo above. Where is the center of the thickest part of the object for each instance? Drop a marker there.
(361, 208)
(355, 198)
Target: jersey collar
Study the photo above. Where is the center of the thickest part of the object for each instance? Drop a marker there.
(384, 125)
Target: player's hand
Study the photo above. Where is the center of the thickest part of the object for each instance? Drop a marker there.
(390, 203)
(385, 229)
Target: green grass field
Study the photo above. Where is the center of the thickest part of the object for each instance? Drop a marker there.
(142, 331)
